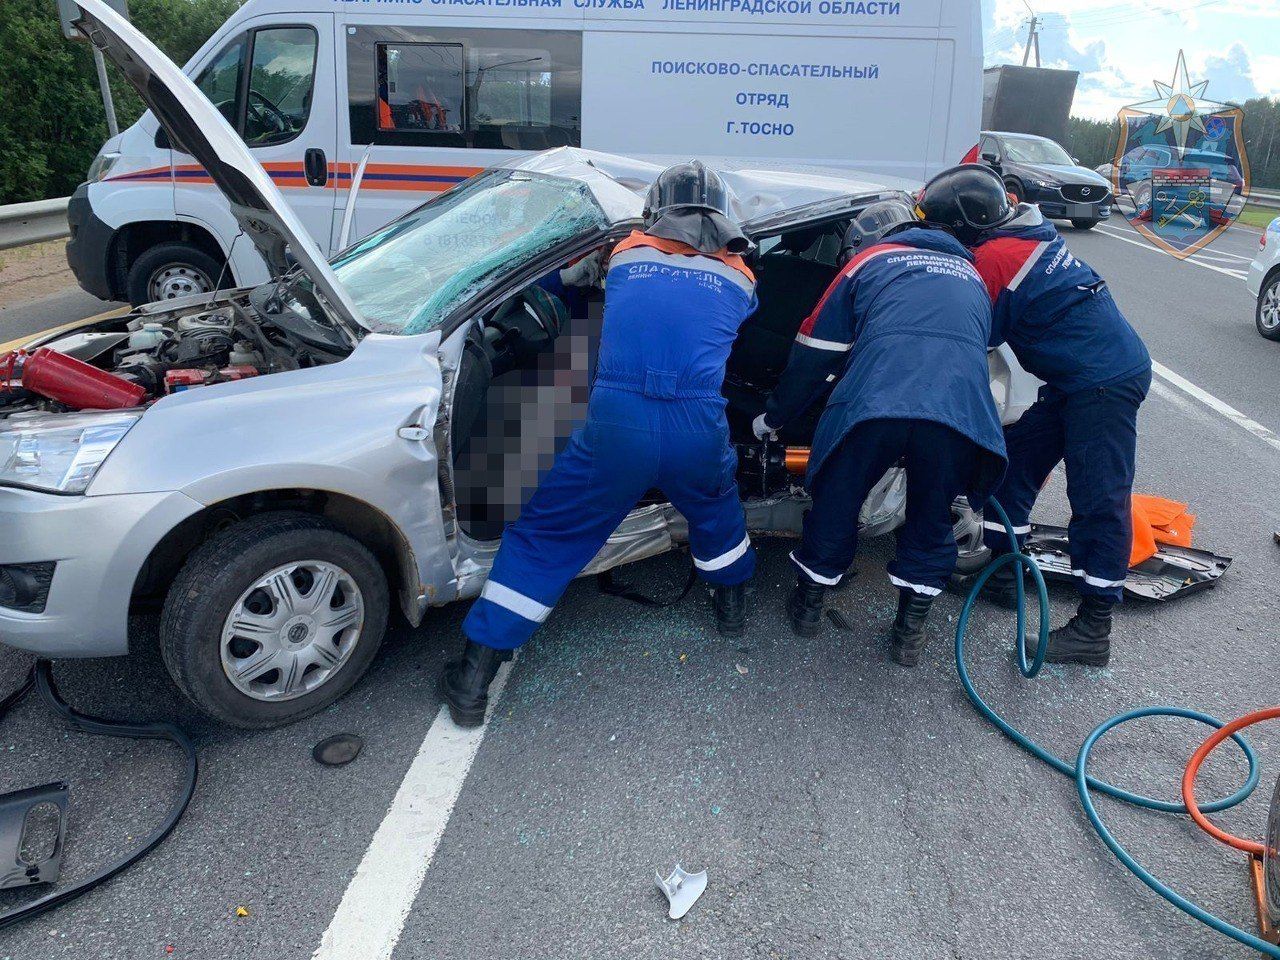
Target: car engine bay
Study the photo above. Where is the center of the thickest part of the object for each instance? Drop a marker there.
(159, 350)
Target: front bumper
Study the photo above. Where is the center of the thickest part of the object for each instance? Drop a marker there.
(99, 545)
(88, 248)
(1056, 208)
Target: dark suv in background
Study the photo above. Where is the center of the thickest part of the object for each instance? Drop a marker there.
(1039, 171)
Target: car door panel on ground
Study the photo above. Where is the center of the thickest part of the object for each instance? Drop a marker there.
(275, 84)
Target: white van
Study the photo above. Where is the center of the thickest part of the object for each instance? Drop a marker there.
(430, 92)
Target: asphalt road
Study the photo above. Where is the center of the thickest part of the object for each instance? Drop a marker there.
(843, 807)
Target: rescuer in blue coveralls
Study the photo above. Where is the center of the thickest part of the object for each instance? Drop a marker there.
(904, 328)
(675, 296)
(1062, 324)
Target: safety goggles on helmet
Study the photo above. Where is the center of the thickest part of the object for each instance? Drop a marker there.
(873, 223)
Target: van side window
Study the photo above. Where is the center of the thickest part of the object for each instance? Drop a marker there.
(421, 87)
(281, 80)
(271, 104)
(220, 80)
(480, 88)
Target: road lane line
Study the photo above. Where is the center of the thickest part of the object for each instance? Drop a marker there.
(1218, 406)
(377, 902)
(26, 338)
(1234, 274)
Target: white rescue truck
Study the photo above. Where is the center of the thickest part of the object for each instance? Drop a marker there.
(430, 92)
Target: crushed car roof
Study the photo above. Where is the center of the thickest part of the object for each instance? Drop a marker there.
(760, 189)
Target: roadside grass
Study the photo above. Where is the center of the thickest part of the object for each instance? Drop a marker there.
(1254, 216)
(32, 251)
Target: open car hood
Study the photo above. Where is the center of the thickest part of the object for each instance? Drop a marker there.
(196, 127)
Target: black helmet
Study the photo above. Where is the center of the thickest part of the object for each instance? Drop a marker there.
(873, 224)
(688, 185)
(967, 200)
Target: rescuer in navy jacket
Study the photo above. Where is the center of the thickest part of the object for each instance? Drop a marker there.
(903, 329)
(675, 298)
(1059, 318)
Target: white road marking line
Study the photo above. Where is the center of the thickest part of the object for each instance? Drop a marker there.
(376, 905)
(1234, 274)
(1219, 406)
(1212, 252)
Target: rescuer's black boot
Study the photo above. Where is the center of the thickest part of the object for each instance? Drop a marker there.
(1001, 588)
(804, 607)
(906, 641)
(464, 684)
(1086, 639)
(730, 606)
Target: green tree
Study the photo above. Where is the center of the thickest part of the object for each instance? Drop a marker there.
(51, 118)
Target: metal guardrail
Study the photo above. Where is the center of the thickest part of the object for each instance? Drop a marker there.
(1260, 198)
(22, 223)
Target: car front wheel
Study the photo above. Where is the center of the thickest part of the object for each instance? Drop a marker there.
(1084, 224)
(1268, 315)
(273, 619)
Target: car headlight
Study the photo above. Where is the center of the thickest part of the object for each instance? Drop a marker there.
(1047, 184)
(59, 452)
(101, 166)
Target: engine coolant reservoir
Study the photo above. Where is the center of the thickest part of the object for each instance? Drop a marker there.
(149, 337)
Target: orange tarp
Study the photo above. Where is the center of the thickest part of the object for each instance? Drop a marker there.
(1157, 520)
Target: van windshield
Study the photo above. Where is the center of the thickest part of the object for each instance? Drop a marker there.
(409, 276)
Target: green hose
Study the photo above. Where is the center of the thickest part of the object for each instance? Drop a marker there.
(1085, 783)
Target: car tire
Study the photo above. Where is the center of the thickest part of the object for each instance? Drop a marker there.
(1084, 224)
(221, 577)
(171, 270)
(1267, 315)
(1015, 190)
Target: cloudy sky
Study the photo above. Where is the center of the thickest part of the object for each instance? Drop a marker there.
(1121, 48)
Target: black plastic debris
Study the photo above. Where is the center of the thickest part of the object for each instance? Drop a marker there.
(338, 750)
(33, 827)
(1173, 572)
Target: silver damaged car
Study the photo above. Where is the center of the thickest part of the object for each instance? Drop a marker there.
(276, 468)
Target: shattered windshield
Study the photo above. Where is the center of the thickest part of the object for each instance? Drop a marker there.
(410, 275)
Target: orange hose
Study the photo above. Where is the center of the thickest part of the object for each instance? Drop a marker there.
(1251, 847)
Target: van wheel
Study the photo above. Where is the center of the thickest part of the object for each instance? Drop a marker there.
(171, 270)
(273, 619)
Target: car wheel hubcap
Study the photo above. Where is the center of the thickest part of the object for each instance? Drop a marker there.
(178, 280)
(1270, 311)
(292, 630)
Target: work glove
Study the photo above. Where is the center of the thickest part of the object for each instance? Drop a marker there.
(762, 429)
(586, 273)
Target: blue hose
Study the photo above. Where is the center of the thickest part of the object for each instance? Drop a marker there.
(1085, 783)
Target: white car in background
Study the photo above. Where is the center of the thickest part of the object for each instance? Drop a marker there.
(1264, 282)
